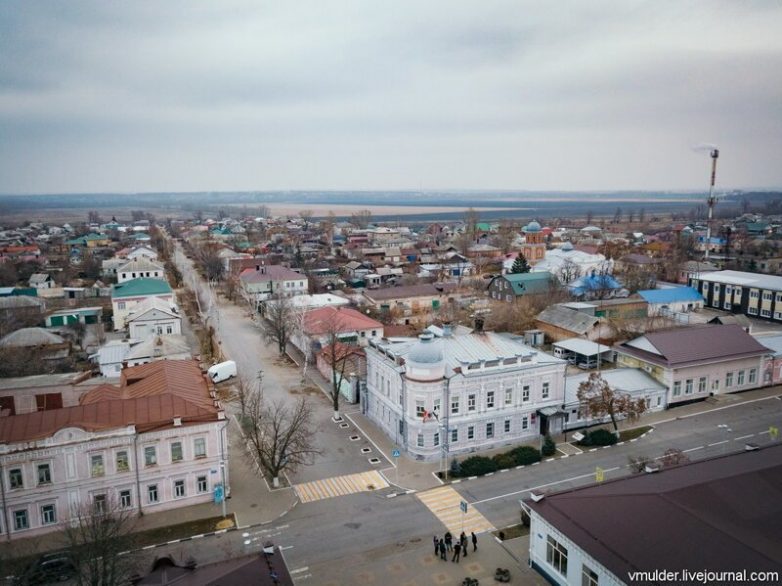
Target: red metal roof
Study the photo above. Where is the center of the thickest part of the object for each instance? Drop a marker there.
(339, 320)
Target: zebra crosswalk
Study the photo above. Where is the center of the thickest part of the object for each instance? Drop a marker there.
(339, 485)
(444, 502)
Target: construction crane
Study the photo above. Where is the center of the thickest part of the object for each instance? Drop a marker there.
(714, 154)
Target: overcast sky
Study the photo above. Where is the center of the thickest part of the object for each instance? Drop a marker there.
(252, 95)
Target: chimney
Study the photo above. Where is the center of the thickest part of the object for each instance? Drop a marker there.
(177, 421)
(479, 323)
(447, 331)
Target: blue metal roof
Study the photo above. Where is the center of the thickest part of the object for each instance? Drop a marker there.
(671, 295)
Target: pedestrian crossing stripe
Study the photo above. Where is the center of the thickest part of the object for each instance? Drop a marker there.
(444, 502)
(339, 485)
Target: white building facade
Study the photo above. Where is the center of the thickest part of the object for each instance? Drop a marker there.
(455, 394)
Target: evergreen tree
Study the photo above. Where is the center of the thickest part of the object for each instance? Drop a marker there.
(549, 447)
(520, 265)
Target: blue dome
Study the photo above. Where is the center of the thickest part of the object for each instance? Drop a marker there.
(426, 351)
(533, 226)
(567, 246)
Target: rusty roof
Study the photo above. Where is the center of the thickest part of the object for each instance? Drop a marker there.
(340, 320)
(148, 396)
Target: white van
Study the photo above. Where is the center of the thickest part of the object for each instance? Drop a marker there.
(222, 371)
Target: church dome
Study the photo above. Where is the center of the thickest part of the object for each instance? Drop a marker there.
(533, 226)
(567, 246)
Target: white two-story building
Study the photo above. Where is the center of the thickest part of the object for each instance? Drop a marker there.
(455, 393)
(153, 443)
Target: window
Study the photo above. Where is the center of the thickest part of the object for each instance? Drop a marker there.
(490, 429)
(15, 479)
(677, 388)
(525, 422)
(121, 305)
(545, 390)
(420, 440)
(179, 488)
(752, 310)
(20, 520)
(152, 495)
(169, 329)
(123, 464)
(508, 396)
(99, 503)
(556, 555)
(729, 380)
(96, 465)
(471, 432)
(201, 484)
(525, 394)
(199, 447)
(688, 387)
(436, 406)
(767, 296)
(765, 313)
(48, 515)
(125, 500)
(454, 405)
(436, 438)
(727, 305)
(176, 451)
(588, 577)
(778, 315)
(44, 474)
(753, 375)
(715, 384)
(454, 435)
(507, 426)
(419, 408)
(702, 384)
(753, 294)
(490, 399)
(150, 456)
(740, 378)
(470, 402)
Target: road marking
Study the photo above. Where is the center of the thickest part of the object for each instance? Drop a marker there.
(444, 503)
(718, 443)
(339, 485)
(299, 570)
(502, 496)
(692, 450)
(749, 435)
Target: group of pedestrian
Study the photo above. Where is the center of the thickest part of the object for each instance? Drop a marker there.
(445, 544)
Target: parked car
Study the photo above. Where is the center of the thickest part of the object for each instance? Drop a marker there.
(222, 371)
(49, 568)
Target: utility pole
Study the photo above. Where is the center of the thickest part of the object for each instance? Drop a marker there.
(715, 153)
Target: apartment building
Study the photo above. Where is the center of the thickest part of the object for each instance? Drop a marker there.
(751, 294)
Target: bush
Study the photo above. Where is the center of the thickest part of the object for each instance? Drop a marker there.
(505, 460)
(456, 468)
(524, 455)
(599, 437)
(549, 447)
(477, 465)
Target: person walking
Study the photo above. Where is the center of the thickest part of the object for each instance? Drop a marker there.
(448, 541)
(463, 543)
(436, 545)
(442, 549)
(457, 547)
(474, 541)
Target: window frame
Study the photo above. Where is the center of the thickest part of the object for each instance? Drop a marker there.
(179, 483)
(556, 555)
(51, 508)
(11, 477)
(147, 451)
(97, 470)
(196, 453)
(153, 488)
(47, 466)
(181, 451)
(117, 461)
(489, 430)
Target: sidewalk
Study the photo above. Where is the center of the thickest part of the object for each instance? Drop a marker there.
(413, 563)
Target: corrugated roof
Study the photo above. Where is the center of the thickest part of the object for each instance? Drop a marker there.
(629, 380)
(140, 264)
(338, 319)
(424, 290)
(730, 503)
(140, 287)
(270, 273)
(672, 295)
(26, 337)
(773, 343)
(571, 320)
(744, 279)
(694, 344)
(582, 346)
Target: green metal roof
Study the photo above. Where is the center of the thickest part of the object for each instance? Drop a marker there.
(529, 283)
(86, 238)
(140, 287)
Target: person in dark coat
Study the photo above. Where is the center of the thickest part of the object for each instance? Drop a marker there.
(448, 541)
(457, 547)
(436, 545)
(463, 543)
(442, 550)
(474, 541)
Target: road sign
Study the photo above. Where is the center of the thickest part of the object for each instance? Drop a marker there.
(218, 494)
(773, 432)
(395, 454)
(599, 475)
(463, 506)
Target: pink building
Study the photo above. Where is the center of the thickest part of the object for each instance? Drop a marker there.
(154, 442)
(773, 370)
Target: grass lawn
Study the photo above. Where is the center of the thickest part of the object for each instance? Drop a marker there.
(628, 434)
(171, 532)
(512, 532)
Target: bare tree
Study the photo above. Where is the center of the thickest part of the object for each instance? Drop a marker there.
(264, 211)
(618, 215)
(279, 322)
(280, 437)
(93, 217)
(207, 257)
(589, 215)
(95, 535)
(569, 271)
(673, 457)
(306, 217)
(471, 219)
(598, 400)
(336, 355)
(361, 218)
